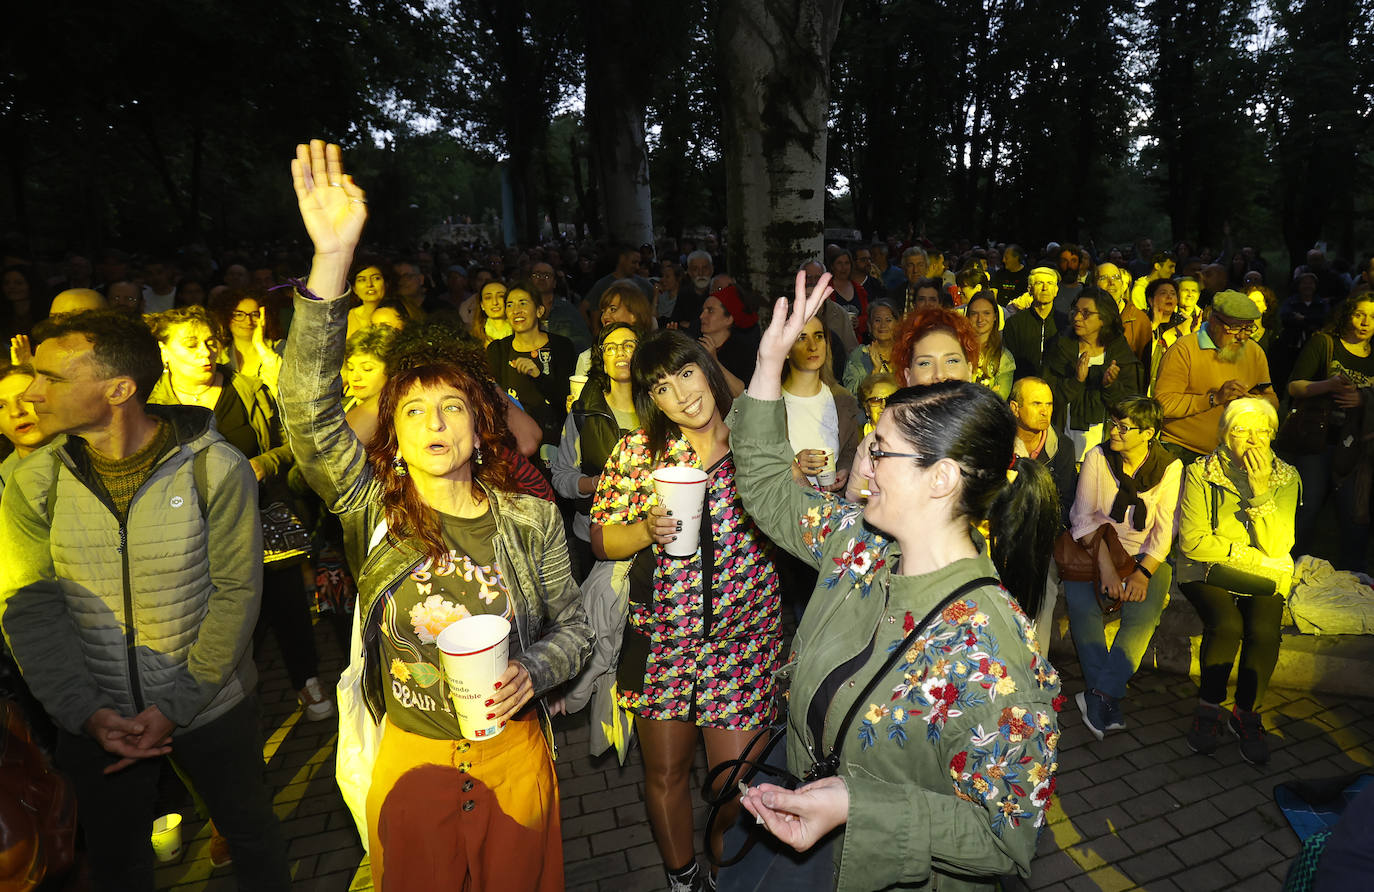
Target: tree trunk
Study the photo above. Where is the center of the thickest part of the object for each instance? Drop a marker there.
(774, 56)
(617, 95)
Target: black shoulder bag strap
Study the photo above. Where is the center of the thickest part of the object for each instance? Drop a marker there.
(724, 779)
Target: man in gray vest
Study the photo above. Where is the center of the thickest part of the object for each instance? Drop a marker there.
(132, 582)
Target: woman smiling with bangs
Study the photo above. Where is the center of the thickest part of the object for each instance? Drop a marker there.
(703, 638)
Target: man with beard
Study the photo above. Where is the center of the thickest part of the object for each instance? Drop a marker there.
(1069, 264)
(1203, 372)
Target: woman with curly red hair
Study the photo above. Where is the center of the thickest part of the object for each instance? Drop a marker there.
(933, 344)
(430, 520)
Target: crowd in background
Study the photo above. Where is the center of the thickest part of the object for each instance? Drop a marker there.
(1153, 387)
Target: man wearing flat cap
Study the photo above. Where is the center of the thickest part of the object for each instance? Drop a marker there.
(1202, 372)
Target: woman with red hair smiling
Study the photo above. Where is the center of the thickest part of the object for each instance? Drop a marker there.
(934, 344)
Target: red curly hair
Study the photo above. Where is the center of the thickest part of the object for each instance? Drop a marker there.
(921, 323)
(407, 515)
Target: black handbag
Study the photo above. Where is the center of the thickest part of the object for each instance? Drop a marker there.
(285, 537)
(1234, 579)
(732, 772)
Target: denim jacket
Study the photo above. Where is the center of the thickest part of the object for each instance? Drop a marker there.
(551, 624)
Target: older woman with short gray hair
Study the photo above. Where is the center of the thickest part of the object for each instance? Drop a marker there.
(1235, 534)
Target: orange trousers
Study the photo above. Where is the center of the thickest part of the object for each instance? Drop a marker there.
(470, 815)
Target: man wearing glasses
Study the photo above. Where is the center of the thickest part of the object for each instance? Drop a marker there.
(1135, 325)
(1203, 372)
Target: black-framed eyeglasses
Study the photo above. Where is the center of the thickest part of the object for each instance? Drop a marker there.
(1123, 427)
(1246, 329)
(1086, 314)
(242, 315)
(875, 453)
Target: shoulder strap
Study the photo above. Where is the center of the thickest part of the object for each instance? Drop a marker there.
(832, 761)
(201, 475)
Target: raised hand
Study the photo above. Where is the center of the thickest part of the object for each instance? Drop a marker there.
(333, 208)
(783, 329)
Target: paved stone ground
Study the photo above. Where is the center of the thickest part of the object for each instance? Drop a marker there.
(1136, 811)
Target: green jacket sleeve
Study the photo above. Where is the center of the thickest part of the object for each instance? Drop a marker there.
(235, 550)
(1195, 537)
(38, 627)
(797, 518)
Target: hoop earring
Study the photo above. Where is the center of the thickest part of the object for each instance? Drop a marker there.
(398, 465)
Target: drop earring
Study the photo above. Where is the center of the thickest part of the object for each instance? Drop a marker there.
(477, 455)
(398, 465)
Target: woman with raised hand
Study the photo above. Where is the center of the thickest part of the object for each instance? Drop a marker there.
(704, 636)
(958, 737)
(426, 504)
(249, 350)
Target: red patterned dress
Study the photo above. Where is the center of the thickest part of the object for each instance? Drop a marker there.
(714, 668)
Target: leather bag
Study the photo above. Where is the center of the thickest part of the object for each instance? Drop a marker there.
(1079, 564)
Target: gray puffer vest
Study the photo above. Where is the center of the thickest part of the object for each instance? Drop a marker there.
(162, 610)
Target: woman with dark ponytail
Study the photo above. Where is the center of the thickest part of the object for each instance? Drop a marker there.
(918, 697)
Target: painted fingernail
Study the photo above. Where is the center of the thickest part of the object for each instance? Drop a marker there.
(679, 526)
(498, 686)
(491, 715)
(670, 514)
(489, 702)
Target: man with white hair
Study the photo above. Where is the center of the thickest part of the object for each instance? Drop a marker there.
(696, 287)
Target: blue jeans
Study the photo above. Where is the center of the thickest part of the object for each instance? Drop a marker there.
(1109, 670)
(1315, 471)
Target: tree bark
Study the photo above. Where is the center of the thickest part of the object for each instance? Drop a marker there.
(617, 95)
(774, 56)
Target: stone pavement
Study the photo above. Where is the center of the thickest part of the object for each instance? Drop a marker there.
(1136, 811)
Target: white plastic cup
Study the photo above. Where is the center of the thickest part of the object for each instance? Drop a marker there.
(167, 837)
(682, 490)
(474, 652)
(575, 385)
(827, 475)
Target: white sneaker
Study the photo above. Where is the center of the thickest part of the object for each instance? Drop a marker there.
(315, 702)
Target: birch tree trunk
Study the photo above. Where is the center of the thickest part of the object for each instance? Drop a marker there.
(774, 59)
(617, 61)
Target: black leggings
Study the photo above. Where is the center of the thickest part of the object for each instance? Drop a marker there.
(286, 613)
(1230, 621)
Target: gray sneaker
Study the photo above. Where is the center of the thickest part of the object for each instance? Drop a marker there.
(1248, 727)
(1205, 734)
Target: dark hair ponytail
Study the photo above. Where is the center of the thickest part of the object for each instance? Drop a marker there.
(1023, 520)
(969, 424)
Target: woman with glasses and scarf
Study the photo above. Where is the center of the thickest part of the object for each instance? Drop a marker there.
(1132, 483)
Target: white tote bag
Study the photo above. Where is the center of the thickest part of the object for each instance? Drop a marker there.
(360, 738)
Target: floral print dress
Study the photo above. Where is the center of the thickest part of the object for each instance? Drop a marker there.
(710, 666)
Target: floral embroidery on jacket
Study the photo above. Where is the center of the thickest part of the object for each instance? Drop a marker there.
(863, 555)
(956, 667)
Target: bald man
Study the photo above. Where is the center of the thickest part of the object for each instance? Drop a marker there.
(76, 300)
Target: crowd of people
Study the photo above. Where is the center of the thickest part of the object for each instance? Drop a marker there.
(914, 453)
